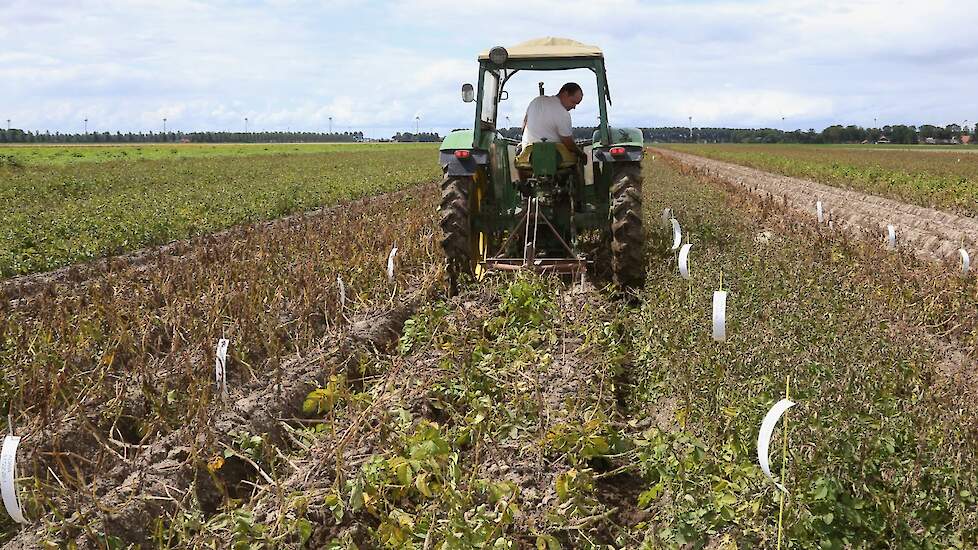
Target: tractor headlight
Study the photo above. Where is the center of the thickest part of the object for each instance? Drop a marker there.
(498, 55)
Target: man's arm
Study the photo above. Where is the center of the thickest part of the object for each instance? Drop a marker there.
(568, 142)
(566, 132)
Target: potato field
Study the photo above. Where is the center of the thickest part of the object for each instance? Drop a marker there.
(943, 178)
(65, 205)
(365, 408)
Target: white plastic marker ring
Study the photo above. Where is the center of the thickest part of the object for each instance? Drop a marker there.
(342, 287)
(390, 263)
(764, 437)
(890, 237)
(8, 478)
(720, 316)
(677, 234)
(666, 216)
(684, 260)
(220, 368)
(965, 261)
(818, 211)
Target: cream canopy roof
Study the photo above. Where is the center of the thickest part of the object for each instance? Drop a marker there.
(549, 47)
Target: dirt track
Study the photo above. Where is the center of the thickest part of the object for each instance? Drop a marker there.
(928, 232)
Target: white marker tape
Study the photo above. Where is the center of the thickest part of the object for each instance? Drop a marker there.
(666, 216)
(220, 367)
(890, 237)
(818, 212)
(720, 316)
(684, 260)
(8, 478)
(764, 437)
(677, 234)
(342, 287)
(965, 261)
(390, 263)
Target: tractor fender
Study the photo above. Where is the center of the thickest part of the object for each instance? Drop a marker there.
(621, 136)
(632, 154)
(628, 138)
(454, 166)
(461, 140)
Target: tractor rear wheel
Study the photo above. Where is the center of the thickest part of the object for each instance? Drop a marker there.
(627, 239)
(456, 227)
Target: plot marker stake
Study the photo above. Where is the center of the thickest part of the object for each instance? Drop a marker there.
(8, 474)
(784, 462)
(720, 313)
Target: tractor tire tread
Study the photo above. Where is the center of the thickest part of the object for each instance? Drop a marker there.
(456, 226)
(627, 244)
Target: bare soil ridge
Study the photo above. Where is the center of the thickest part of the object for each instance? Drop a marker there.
(929, 232)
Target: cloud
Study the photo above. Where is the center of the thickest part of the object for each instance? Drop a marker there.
(125, 64)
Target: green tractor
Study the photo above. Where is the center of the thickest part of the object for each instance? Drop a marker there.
(534, 210)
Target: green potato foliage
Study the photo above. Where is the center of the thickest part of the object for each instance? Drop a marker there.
(880, 448)
(54, 214)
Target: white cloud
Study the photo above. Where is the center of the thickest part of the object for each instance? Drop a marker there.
(125, 64)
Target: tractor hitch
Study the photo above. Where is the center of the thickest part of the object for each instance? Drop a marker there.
(529, 226)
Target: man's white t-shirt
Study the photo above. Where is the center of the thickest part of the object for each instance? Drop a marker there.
(546, 118)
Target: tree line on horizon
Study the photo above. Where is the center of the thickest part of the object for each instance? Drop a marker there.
(15, 135)
(900, 133)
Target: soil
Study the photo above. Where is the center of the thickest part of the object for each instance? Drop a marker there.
(930, 233)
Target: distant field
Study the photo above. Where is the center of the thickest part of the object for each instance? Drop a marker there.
(64, 205)
(71, 154)
(945, 178)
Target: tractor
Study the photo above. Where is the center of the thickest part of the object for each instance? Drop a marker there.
(534, 209)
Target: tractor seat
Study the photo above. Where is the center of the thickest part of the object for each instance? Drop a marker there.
(549, 158)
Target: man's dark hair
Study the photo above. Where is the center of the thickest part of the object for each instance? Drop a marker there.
(571, 88)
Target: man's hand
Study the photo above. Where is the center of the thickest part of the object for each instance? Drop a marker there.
(573, 148)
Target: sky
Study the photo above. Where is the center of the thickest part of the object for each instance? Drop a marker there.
(383, 67)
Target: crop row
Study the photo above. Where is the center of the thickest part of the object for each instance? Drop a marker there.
(44, 155)
(131, 355)
(57, 215)
(945, 180)
(882, 445)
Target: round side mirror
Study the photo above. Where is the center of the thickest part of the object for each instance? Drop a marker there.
(468, 93)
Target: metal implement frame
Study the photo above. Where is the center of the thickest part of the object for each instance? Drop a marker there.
(574, 264)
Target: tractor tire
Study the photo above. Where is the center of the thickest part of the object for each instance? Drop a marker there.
(627, 237)
(456, 227)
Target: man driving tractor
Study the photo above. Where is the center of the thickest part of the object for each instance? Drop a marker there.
(555, 204)
(548, 118)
